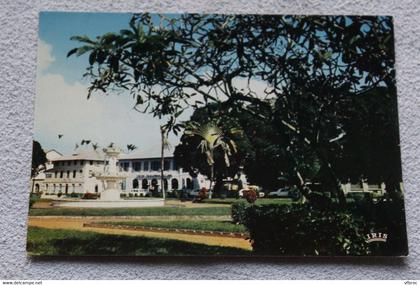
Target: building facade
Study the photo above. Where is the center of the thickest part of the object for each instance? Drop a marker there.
(67, 174)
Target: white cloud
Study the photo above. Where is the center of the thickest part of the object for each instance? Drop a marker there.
(62, 108)
(45, 55)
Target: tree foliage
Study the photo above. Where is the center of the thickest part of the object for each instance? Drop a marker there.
(38, 158)
(315, 68)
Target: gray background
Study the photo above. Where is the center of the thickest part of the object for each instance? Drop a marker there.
(18, 40)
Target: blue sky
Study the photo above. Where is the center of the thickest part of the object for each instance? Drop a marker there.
(61, 105)
(56, 28)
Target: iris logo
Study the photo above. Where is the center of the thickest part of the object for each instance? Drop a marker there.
(380, 237)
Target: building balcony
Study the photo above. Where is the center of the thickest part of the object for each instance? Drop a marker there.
(64, 180)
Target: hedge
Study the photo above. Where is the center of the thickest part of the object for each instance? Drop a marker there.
(302, 229)
(299, 229)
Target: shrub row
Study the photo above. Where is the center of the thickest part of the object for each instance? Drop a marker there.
(302, 229)
(299, 229)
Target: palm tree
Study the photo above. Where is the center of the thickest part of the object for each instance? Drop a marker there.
(212, 138)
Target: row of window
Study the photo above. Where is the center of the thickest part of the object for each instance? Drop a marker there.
(62, 174)
(74, 162)
(154, 184)
(65, 187)
(153, 165)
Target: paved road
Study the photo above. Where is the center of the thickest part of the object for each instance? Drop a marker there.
(69, 223)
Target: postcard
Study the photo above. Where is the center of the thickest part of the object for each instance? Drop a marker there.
(215, 135)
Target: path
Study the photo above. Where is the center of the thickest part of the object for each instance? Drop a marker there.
(77, 224)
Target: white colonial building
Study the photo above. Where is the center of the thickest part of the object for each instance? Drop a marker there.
(74, 173)
(144, 174)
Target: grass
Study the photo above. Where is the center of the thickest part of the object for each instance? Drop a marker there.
(152, 211)
(263, 201)
(277, 201)
(226, 201)
(220, 226)
(48, 242)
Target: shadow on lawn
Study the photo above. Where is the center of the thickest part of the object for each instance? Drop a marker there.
(64, 246)
(44, 242)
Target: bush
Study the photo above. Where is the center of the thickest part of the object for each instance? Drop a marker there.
(90, 196)
(250, 195)
(300, 229)
(157, 194)
(385, 216)
(232, 194)
(59, 194)
(238, 212)
(202, 194)
(75, 195)
(123, 195)
(130, 195)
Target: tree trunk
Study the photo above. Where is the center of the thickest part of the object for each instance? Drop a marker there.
(162, 162)
(211, 181)
(339, 191)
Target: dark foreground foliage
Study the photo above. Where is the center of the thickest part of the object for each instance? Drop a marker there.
(50, 242)
(302, 229)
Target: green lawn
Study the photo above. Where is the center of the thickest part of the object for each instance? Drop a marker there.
(260, 201)
(50, 242)
(153, 211)
(220, 226)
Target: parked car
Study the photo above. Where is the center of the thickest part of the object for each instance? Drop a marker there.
(280, 193)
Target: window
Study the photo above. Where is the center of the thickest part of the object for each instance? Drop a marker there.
(155, 165)
(55, 174)
(82, 162)
(174, 184)
(165, 184)
(91, 162)
(61, 174)
(96, 188)
(167, 165)
(124, 166)
(135, 184)
(75, 162)
(68, 173)
(74, 173)
(155, 184)
(68, 162)
(137, 166)
(146, 165)
(144, 184)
